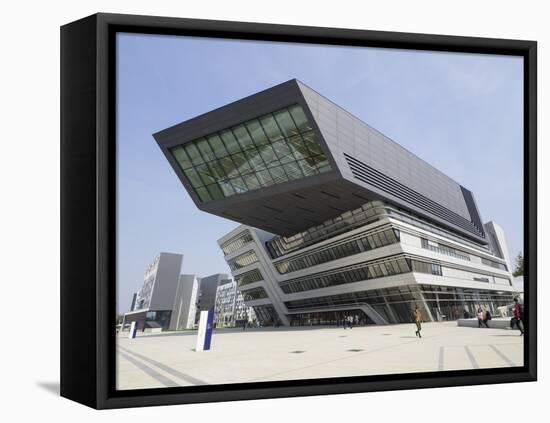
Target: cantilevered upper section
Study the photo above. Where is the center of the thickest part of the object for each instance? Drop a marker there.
(286, 159)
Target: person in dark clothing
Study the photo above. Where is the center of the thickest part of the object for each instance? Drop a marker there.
(518, 316)
(486, 318)
(417, 315)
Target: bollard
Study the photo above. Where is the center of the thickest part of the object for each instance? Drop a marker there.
(133, 330)
(204, 335)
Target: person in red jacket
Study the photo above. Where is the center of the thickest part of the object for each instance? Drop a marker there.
(518, 316)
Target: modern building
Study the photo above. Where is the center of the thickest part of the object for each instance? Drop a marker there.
(185, 303)
(134, 298)
(230, 309)
(335, 218)
(204, 297)
(166, 299)
(208, 287)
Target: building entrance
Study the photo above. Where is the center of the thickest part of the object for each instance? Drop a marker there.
(330, 318)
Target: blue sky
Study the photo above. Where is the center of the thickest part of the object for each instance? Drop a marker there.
(462, 113)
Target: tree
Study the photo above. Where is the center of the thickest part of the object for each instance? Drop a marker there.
(518, 271)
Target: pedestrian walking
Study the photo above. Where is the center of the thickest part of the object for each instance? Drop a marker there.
(486, 317)
(350, 321)
(418, 321)
(345, 321)
(518, 316)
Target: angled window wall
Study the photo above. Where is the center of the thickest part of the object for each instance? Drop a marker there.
(243, 260)
(272, 149)
(254, 294)
(235, 243)
(249, 277)
(358, 245)
(364, 271)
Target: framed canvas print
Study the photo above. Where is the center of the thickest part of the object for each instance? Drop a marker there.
(257, 211)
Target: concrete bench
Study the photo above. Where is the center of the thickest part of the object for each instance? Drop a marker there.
(153, 330)
(494, 323)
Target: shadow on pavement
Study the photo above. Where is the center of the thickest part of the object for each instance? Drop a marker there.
(51, 387)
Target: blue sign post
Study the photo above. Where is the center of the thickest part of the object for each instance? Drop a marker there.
(206, 325)
(133, 330)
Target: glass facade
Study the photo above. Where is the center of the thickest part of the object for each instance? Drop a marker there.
(161, 318)
(424, 267)
(397, 304)
(444, 249)
(335, 318)
(243, 260)
(494, 264)
(249, 277)
(254, 294)
(266, 315)
(272, 149)
(364, 271)
(357, 245)
(368, 213)
(235, 243)
(230, 309)
(449, 303)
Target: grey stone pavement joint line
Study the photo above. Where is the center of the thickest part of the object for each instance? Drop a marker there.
(146, 369)
(503, 356)
(167, 369)
(341, 358)
(471, 357)
(441, 358)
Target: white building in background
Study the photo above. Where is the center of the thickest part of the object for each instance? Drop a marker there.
(155, 300)
(185, 303)
(230, 309)
(167, 299)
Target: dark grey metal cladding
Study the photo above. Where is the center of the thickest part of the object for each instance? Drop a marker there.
(365, 166)
(402, 193)
(384, 169)
(472, 208)
(289, 212)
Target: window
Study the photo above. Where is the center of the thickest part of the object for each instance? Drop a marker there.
(494, 264)
(236, 243)
(444, 249)
(369, 270)
(423, 267)
(243, 260)
(272, 149)
(249, 277)
(254, 294)
(481, 279)
(335, 252)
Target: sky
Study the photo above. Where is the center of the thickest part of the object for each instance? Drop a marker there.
(462, 113)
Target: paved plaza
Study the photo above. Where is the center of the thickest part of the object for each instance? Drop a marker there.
(270, 354)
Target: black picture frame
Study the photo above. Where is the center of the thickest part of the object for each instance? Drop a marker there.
(88, 195)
